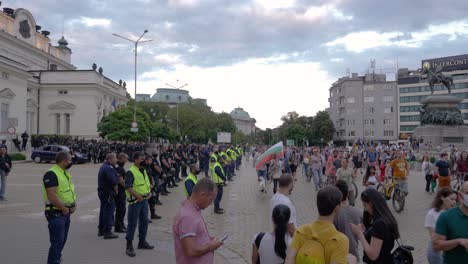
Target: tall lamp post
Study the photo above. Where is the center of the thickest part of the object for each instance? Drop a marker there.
(138, 41)
(177, 109)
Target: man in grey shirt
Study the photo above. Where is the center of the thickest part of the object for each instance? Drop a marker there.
(346, 215)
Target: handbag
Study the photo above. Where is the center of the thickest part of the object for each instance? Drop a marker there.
(402, 254)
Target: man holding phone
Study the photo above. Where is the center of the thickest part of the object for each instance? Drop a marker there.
(193, 244)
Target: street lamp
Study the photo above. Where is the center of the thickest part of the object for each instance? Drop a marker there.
(177, 105)
(136, 54)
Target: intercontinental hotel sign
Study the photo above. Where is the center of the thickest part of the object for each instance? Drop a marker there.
(453, 63)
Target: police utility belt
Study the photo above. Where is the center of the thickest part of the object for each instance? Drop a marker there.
(51, 208)
(133, 199)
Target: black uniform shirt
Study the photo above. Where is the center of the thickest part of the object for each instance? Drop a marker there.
(50, 180)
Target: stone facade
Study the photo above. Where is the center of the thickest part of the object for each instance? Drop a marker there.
(41, 92)
(243, 121)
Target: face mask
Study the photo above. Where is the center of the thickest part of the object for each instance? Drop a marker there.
(465, 200)
(69, 166)
(197, 172)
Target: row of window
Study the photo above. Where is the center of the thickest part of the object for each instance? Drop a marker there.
(408, 128)
(410, 118)
(418, 98)
(370, 99)
(415, 108)
(369, 133)
(427, 88)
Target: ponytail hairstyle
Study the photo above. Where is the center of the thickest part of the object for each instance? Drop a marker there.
(281, 214)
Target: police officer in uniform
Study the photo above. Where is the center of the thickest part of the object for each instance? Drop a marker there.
(107, 190)
(153, 181)
(138, 191)
(120, 202)
(219, 178)
(58, 192)
(191, 180)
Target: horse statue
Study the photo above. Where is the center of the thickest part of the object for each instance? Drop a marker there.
(437, 77)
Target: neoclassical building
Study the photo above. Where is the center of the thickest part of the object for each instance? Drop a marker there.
(170, 96)
(41, 92)
(243, 121)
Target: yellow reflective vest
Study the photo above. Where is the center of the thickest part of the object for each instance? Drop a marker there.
(141, 184)
(65, 189)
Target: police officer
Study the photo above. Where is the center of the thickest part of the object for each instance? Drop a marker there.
(120, 202)
(58, 192)
(219, 178)
(138, 191)
(191, 180)
(107, 190)
(152, 200)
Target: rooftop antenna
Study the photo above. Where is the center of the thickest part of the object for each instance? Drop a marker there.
(348, 72)
(372, 66)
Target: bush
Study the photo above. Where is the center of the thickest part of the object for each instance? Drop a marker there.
(17, 156)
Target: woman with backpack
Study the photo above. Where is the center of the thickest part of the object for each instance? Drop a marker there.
(445, 199)
(380, 229)
(270, 248)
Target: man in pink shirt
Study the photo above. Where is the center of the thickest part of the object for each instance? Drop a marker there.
(193, 244)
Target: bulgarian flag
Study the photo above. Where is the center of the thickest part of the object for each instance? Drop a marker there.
(277, 149)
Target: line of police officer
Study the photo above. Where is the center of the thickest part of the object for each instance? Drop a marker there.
(145, 179)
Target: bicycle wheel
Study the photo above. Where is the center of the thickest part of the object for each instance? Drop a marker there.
(382, 190)
(398, 200)
(354, 187)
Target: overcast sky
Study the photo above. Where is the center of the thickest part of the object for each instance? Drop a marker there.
(267, 56)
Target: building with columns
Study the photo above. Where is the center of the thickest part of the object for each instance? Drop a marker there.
(41, 92)
(244, 123)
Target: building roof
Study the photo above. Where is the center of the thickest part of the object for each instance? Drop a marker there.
(239, 113)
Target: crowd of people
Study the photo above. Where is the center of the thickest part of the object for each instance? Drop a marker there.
(333, 171)
(134, 190)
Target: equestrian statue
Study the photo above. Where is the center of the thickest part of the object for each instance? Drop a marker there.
(437, 77)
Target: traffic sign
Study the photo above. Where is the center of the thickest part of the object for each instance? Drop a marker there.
(134, 129)
(134, 124)
(11, 130)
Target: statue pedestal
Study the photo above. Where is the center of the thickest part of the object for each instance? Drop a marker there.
(443, 136)
(442, 122)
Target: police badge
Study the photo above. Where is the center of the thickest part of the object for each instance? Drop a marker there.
(25, 29)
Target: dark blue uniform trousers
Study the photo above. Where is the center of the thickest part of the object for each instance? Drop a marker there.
(106, 213)
(58, 233)
(137, 214)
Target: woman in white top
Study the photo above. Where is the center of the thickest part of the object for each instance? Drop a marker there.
(270, 248)
(370, 179)
(445, 199)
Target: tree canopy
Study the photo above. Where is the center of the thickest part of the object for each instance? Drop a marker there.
(116, 126)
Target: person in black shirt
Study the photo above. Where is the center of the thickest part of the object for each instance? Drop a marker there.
(5, 168)
(165, 166)
(120, 200)
(152, 200)
(381, 229)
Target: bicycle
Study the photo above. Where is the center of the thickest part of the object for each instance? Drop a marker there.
(392, 191)
(459, 180)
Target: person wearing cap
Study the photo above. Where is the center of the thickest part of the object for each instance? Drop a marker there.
(443, 170)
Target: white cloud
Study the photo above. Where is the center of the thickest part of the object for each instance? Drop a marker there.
(276, 4)
(183, 3)
(168, 58)
(324, 11)
(360, 41)
(266, 90)
(95, 22)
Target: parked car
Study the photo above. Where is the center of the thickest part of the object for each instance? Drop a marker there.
(48, 152)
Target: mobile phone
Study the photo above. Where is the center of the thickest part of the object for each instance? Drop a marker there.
(224, 238)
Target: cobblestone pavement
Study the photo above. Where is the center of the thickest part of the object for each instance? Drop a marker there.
(24, 229)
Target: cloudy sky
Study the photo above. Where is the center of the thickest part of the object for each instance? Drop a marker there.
(267, 56)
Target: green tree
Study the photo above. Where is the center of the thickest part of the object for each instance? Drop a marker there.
(116, 126)
(323, 126)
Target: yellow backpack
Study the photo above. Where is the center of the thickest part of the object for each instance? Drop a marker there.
(311, 252)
